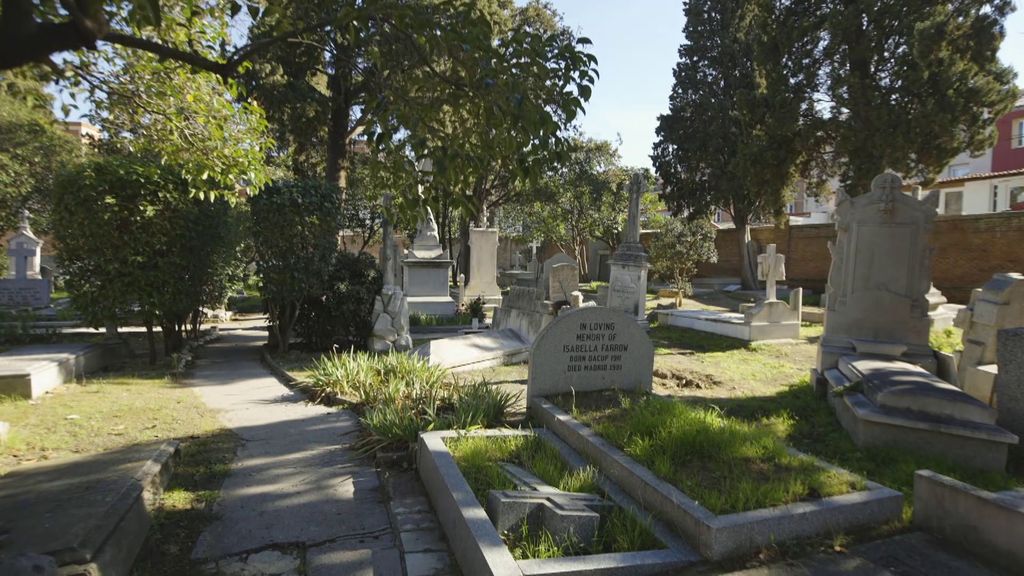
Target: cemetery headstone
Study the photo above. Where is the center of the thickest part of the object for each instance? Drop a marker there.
(874, 356)
(998, 305)
(545, 277)
(627, 278)
(24, 287)
(1010, 381)
(590, 349)
(562, 282)
(483, 265)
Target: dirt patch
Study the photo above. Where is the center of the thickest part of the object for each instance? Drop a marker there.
(668, 378)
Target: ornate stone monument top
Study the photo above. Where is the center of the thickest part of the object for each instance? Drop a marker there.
(881, 271)
(24, 249)
(427, 244)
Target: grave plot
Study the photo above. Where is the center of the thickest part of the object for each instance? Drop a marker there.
(730, 488)
(519, 502)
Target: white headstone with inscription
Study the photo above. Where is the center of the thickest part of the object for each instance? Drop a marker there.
(590, 349)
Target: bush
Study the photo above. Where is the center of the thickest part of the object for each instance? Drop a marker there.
(400, 396)
(340, 316)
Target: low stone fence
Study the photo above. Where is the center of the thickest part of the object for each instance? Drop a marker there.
(988, 524)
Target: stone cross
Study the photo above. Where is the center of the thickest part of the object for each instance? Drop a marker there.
(636, 191)
(564, 514)
(22, 256)
(770, 268)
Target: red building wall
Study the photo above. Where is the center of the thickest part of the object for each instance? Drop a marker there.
(1004, 155)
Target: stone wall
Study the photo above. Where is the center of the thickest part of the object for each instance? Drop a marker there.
(968, 251)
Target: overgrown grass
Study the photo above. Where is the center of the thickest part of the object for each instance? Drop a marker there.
(427, 320)
(948, 340)
(478, 458)
(398, 396)
(725, 464)
(813, 428)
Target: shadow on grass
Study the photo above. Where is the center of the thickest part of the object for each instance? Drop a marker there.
(813, 428)
(187, 504)
(672, 338)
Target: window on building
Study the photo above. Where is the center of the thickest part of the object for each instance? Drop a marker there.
(954, 202)
(1017, 140)
(1017, 198)
(958, 170)
(995, 198)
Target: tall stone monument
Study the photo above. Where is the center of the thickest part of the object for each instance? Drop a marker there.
(483, 264)
(426, 271)
(24, 287)
(390, 315)
(874, 357)
(627, 280)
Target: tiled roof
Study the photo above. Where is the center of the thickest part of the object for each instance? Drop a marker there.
(979, 176)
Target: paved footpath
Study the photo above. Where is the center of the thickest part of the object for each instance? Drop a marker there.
(298, 501)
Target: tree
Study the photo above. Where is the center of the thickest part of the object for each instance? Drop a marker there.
(133, 239)
(33, 148)
(677, 248)
(33, 30)
(295, 227)
(582, 199)
(911, 84)
(735, 135)
(191, 119)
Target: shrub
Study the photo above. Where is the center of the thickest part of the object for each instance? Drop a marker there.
(340, 315)
(399, 396)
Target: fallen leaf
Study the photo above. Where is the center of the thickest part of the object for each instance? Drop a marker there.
(72, 417)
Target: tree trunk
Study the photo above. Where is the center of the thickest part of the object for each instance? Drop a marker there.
(337, 161)
(747, 274)
(151, 341)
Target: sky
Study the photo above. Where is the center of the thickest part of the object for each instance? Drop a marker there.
(636, 44)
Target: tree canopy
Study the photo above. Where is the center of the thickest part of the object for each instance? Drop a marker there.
(33, 148)
(736, 131)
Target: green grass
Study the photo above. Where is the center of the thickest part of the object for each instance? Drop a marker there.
(251, 303)
(100, 414)
(814, 429)
(478, 458)
(725, 464)
(428, 320)
(949, 340)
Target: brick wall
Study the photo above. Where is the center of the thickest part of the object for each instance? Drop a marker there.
(968, 251)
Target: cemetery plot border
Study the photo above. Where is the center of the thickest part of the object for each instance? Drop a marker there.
(478, 546)
(722, 536)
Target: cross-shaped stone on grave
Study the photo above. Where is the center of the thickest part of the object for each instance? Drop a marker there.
(563, 514)
(771, 267)
(22, 257)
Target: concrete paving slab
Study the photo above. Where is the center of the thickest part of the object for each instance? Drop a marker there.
(296, 480)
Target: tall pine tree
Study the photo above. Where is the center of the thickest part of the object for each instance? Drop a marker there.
(735, 132)
(911, 84)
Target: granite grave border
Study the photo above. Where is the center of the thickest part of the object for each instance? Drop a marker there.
(478, 547)
(722, 536)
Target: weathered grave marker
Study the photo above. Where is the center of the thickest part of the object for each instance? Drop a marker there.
(590, 349)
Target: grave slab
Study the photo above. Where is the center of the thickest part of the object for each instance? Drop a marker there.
(88, 513)
(31, 371)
